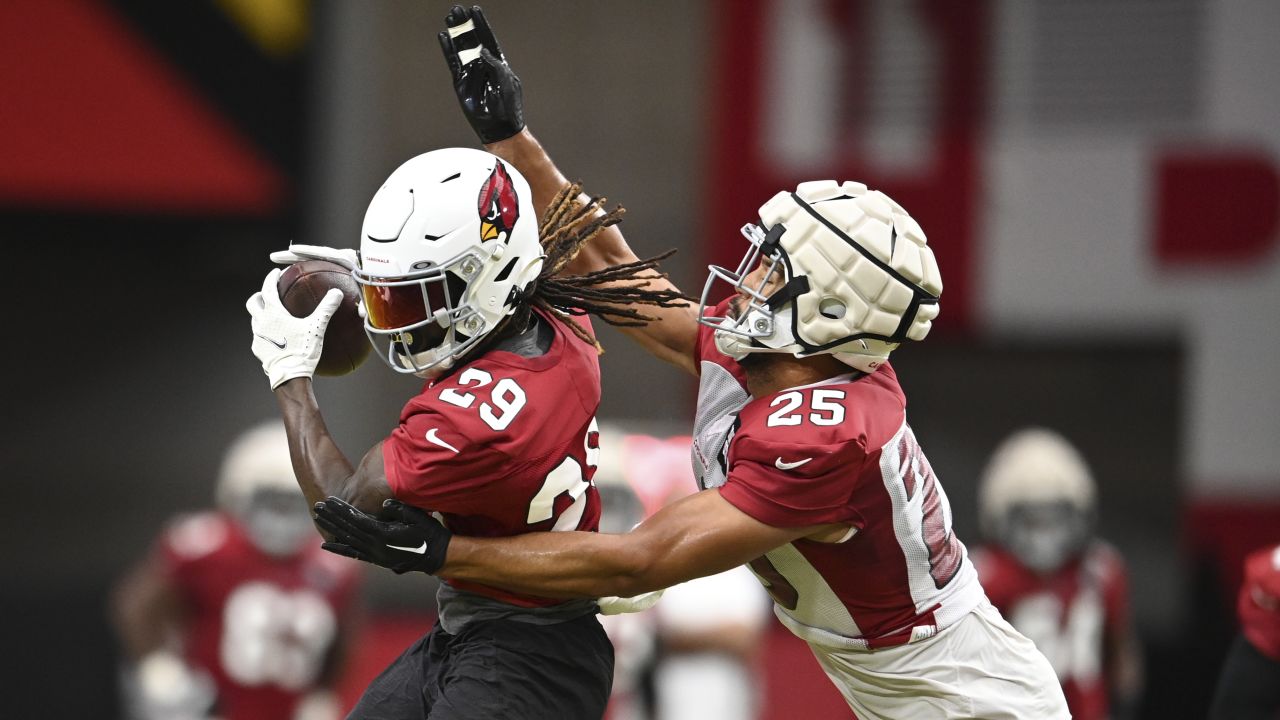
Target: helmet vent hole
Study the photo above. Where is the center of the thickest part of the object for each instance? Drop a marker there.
(831, 308)
(506, 271)
(454, 176)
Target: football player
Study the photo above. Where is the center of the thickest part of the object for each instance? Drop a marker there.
(235, 614)
(1249, 688)
(459, 287)
(1058, 584)
(811, 473)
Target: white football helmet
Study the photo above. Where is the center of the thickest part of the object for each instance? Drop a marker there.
(1037, 498)
(857, 278)
(449, 247)
(257, 487)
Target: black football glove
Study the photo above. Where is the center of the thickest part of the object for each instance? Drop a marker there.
(402, 538)
(487, 88)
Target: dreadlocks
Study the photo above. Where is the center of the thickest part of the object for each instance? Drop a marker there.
(611, 294)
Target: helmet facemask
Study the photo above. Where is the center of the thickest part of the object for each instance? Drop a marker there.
(277, 522)
(420, 323)
(1045, 536)
(754, 326)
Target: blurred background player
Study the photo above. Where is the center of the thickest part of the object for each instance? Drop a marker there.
(1249, 688)
(237, 613)
(705, 634)
(1057, 583)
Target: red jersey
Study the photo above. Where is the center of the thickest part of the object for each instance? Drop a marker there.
(261, 626)
(1069, 615)
(1259, 604)
(838, 451)
(504, 445)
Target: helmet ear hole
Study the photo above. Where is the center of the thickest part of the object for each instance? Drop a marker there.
(832, 308)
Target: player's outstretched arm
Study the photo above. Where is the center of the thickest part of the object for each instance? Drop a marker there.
(700, 535)
(491, 97)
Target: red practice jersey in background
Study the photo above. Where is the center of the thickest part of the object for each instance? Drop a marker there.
(263, 627)
(503, 446)
(1070, 615)
(1259, 603)
(838, 451)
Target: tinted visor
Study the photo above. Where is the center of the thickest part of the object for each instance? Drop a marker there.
(390, 307)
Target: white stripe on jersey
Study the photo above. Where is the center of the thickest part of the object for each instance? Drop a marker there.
(962, 592)
(817, 604)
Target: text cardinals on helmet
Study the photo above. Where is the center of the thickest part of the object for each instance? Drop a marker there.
(449, 248)
(856, 278)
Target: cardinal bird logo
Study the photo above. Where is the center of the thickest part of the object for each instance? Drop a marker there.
(498, 206)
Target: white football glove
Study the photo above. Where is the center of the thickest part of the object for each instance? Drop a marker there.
(346, 257)
(163, 687)
(318, 705)
(614, 605)
(288, 347)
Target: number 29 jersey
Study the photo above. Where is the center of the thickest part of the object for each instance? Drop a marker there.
(505, 445)
(838, 451)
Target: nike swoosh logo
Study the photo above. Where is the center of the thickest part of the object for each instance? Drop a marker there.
(421, 550)
(434, 440)
(278, 343)
(790, 465)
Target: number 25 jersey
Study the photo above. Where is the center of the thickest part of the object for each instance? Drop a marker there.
(504, 445)
(838, 451)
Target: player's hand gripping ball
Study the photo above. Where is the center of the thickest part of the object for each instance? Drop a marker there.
(302, 286)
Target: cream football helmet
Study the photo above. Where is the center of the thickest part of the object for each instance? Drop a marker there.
(257, 487)
(449, 248)
(1037, 499)
(857, 278)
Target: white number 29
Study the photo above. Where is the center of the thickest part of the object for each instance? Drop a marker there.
(568, 477)
(507, 397)
(824, 404)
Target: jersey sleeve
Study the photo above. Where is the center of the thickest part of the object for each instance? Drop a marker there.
(794, 484)
(434, 463)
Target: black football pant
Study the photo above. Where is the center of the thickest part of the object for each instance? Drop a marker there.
(497, 670)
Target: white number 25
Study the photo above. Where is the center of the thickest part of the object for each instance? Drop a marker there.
(824, 406)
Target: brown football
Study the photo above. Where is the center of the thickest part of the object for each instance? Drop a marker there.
(302, 285)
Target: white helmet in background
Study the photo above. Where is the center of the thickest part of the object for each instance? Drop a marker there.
(857, 278)
(448, 249)
(1037, 498)
(256, 486)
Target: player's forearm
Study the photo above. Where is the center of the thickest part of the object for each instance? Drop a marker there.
(144, 610)
(696, 536)
(321, 468)
(553, 564)
(1124, 668)
(527, 155)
